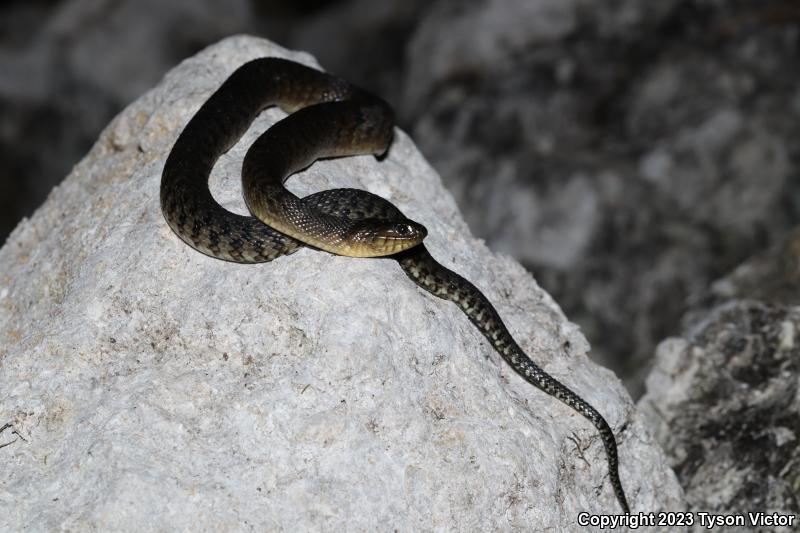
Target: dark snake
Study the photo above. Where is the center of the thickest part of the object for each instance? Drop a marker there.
(329, 117)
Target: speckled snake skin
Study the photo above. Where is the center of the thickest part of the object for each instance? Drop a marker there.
(330, 117)
(334, 118)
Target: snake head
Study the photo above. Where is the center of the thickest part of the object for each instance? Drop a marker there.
(375, 238)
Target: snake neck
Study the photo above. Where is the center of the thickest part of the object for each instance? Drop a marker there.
(362, 126)
(421, 267)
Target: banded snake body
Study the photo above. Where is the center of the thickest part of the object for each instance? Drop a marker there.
(329, 117)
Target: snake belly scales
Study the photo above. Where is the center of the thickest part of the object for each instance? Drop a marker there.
(328, 117)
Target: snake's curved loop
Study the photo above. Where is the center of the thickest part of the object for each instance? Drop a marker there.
(356, 123)
(361, 124)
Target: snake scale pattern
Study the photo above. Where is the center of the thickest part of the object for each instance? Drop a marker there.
(328, 117)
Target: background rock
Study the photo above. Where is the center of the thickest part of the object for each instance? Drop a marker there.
(628, 153)
(148, 386)
(771, 276)
(723, 400)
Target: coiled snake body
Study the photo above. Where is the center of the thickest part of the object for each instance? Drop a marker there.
(331, 118)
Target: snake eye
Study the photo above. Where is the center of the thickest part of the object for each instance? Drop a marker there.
(391, 237)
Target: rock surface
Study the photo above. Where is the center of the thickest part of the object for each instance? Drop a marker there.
(150, 387)
(724, 404)
(724, 398)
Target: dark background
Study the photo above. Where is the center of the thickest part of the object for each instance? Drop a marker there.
(630, 154)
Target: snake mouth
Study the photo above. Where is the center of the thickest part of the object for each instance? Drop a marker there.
(400, 236)
(383, 238)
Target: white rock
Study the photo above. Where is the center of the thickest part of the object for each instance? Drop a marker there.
(159, 389)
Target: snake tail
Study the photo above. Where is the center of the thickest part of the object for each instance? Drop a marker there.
(423, 269)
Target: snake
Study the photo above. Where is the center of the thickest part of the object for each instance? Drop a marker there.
(328, 117)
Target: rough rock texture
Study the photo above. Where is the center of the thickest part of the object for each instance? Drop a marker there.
(627, 152)
(151, 387)
(724, 403)
(724, 399)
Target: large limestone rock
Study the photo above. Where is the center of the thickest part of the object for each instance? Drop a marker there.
(149, 387)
